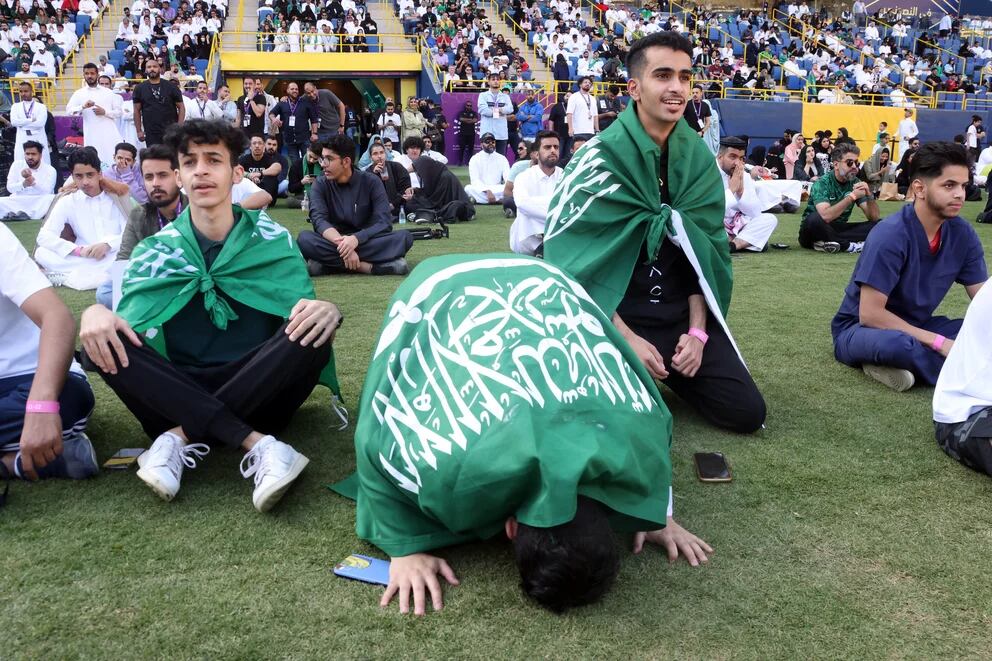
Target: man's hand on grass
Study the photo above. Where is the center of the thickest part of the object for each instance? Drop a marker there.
(416, 575)
(676, 541)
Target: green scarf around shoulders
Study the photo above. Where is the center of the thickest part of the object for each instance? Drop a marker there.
(259, 266)
(607, 206)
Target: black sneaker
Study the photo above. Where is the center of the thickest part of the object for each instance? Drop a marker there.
(316, 269)
(395, 267)
(827, 246)
(508, 212)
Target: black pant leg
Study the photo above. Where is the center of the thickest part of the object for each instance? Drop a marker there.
(969, 442)
(161, 396)
(813, 228)
(315, 247)
(722, 390)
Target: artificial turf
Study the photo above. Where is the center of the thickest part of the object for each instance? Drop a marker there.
(845, 533)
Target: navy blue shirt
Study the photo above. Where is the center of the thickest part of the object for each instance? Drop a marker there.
(303, 113)
(897, 262)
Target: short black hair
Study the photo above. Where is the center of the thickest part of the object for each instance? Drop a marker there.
(205, 132)
(933, 157)
(160, 153)
(89, 65)
(569, 565)
(842, 149)
(341, 145)
(33, 144)
(665, 39)
(582, 78)
(126, 146)
(413, 141)
(317, 148)
(84, 156)
(545, 135)
(976, 118)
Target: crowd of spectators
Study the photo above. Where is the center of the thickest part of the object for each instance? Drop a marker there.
(36, 37)
(336, 26)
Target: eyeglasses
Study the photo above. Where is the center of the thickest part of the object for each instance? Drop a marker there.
(327, 159)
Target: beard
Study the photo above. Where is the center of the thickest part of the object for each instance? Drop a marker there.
(162, 202)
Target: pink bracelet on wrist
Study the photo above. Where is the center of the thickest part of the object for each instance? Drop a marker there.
(77, 251)
(38, 406)
(699, 334)
(938, 342)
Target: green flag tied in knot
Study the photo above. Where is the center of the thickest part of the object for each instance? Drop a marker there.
(607, 206)
(258, 266)
(498, 387)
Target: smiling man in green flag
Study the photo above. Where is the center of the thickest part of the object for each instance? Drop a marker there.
(233, 340)
(638, 220)
(500, 399)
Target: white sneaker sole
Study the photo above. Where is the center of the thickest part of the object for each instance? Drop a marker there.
(899, 380)
(160, 489)
(265, 501)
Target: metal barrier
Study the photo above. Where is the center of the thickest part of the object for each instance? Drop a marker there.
(300, 42)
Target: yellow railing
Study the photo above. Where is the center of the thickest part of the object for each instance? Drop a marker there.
(280, 42)
(44, 90)
(213, 60)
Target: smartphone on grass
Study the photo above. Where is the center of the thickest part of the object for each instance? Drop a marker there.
(363, 568)
(123, 459)
(712, 467)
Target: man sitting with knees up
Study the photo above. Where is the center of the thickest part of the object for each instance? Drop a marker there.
(350, 214)
(747, 227)
(487, 172)
(218, 338)
(885, 323)
(832, 198)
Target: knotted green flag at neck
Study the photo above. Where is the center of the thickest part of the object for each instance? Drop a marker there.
(259, 266)
(607, 206)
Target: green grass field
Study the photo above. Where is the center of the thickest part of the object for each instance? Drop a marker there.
(845, 533)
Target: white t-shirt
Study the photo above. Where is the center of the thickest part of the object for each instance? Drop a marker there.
(20, 278)
(965, 382)
(583, 109)
(243, 189)
(972, 137)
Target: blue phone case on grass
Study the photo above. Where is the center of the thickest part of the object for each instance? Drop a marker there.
(363, 568)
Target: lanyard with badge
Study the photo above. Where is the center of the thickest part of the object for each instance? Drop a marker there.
(162, 222)
(203, 108)
(246, 122)
(29, 114)
(292, 113)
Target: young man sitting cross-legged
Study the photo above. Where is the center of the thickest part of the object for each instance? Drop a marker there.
(234, 341)
(885, 323)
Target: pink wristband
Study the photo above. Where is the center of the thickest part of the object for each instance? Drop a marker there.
(699, 334)
(77, 251)
(41, 407)
(938, 342)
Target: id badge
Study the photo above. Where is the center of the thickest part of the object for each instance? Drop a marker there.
(246, 122)
(292, 121)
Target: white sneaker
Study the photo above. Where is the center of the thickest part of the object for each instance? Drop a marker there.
(275, 465)
(899, 380)
(161, 465)
(856, 246)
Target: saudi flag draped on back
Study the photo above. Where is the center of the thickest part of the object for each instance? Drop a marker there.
(607, 206)
(497, 387)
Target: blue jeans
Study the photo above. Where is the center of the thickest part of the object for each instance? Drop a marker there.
(76, 404)
(105, 294)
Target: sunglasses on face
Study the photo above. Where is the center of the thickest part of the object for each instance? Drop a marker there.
(851, 162)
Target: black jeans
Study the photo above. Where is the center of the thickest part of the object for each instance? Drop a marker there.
(722, 390)
(969, 442)
(813, 229)
(219, 405)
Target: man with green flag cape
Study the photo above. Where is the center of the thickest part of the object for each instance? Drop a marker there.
(638, 220)
(233, 340)
(501, 399)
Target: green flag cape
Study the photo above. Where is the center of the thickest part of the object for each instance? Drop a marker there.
(259, 266)
(498, 387)
(607, 206)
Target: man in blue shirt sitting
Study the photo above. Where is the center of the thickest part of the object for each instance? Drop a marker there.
(885, 323)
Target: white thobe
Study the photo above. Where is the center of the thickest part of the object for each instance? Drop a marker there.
(99, 131)
(125, 125)
(743, 218)
(198, 109)
(29, 119)
(487, 172)
(907, 131)
(46, 61)
(34, 200)
(436, 155)
(95, 219)
(532, 192)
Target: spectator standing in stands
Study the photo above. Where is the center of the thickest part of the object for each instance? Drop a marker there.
(29, 117)
(974, 136)
(330, 111)
(697, 112)
(494, 106)
(96, 106)
(158, 105)
(530, 114)
(610, 107)
(260, 167)
(252, 108)
(202, 106)
(467, 120)
(582, 113)
(298, 121)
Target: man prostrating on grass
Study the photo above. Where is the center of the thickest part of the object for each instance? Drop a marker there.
(233, 340)
(500, 399)
(885, 323)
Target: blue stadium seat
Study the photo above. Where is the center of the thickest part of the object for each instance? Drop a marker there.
(200, 66)
(793, 83)
(10, 66)
(263, 14)
(527, 75)
(373, 43)
(82, 25)
(530, 38)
